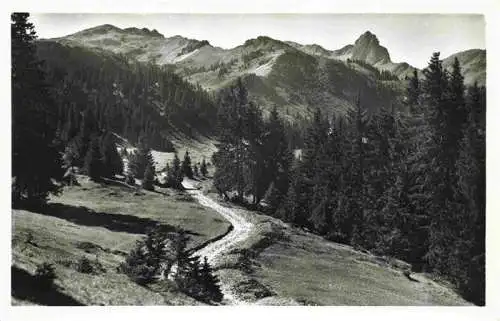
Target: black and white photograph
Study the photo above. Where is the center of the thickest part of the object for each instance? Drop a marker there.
(271, 159)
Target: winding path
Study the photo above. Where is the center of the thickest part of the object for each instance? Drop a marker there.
(213, 251)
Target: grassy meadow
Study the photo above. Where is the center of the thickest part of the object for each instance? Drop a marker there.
(101, 222)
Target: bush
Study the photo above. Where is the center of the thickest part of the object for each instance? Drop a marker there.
(83, 265)
(45, 275)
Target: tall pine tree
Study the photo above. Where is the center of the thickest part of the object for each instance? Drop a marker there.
(36, 156)
(93, 161)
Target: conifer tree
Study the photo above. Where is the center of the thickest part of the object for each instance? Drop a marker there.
(469, 266)
(186, 165)
(111, 159)
(307, 170)
(279, 160)
(357, 173)
(196, 172)
(88, 129)
(210, 282)
(93, 161)
(233, 151)
(413, 91)
(442, 152)
(149, 178)
(203, 168)
(36, 157)
(140, 159)
(175, 175)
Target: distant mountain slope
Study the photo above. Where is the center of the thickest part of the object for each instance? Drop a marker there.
(473, 64)
(295, 77)
(128, 98)
(276, 72)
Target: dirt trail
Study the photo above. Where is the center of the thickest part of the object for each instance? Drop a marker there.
(213, 251)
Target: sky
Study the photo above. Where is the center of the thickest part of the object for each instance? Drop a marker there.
(409, 37)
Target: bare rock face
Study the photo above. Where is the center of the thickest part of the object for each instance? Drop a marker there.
(368, 49)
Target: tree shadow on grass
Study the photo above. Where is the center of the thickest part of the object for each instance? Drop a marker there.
(25, 287)
(81, 215)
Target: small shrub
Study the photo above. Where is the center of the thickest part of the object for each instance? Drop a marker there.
(65, 263)
(30, 239)
(185, 198)
(83, 265)
(45, 275)
(130, 180)
(88, 247)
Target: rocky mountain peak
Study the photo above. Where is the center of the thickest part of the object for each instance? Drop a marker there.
(367, 48)
(367, 37)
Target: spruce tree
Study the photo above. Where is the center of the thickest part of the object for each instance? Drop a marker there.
(187, 170)
(413, 91)
(175, 175)
(444, 97)
(93, 161)
(232, 157)
(469, 274)
(356, 172)
(88, 129)
(210, 283)
(111, 159)
(140, 159)
(36, 157)
(279, 160)
(307, 171)
(149, 178)
(203, 168)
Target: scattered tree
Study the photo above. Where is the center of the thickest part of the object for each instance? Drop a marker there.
(186, 166)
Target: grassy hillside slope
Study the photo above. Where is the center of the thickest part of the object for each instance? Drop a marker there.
(282, 265)
(317, 272)
(101, 222)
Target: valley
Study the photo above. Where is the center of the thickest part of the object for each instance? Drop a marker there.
(153, 170)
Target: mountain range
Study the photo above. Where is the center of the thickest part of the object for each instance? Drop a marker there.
(292, 76)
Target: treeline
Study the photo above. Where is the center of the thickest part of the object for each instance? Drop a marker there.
(130, 99)
(408, 184)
